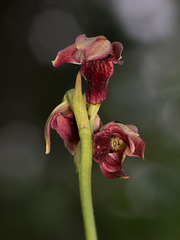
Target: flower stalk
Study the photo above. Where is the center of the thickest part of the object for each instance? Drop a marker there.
(85, 166)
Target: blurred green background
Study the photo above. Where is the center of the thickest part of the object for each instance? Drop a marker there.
(39, 194)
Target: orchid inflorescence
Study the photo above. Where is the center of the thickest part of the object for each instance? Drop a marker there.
(111, 142)
(77, 122)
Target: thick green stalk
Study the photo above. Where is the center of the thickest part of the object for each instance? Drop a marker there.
(85, 166)
(85, 184)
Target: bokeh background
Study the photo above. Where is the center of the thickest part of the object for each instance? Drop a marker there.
(39, 194)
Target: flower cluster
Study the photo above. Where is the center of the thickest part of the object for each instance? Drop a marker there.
(113, 141)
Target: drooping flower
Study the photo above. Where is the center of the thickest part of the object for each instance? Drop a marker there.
(112, 144)
(62, 120)
(97, 57)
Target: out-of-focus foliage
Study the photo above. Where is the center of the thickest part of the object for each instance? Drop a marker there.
(39, 196)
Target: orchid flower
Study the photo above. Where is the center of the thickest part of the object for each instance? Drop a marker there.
(112, 144)
(96, 56)
(62, 120)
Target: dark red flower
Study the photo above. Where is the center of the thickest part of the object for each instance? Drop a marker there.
(112, 144)
(97, 57)
(63, 121)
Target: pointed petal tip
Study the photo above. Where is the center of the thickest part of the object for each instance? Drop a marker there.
(53, 62)
(125, 177)
(48, 147)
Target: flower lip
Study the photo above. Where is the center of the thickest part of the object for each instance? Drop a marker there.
(97, 74)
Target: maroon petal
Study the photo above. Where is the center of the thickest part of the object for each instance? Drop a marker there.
(116, 130)
(117, 50)
(65, 56)
(97, 74)
(66, 127)
(118, 174)
(71, 147)
(139, 147)
(112, 163)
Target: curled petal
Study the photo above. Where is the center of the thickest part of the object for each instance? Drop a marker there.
(65, 56)
(118, 174)
(66, 127)
(138, 149)
(111, 163)
(116, 130)
(131, 145)
(117, 50)
(61, 108)
(129, 129)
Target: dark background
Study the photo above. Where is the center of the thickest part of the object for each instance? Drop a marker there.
(39, 194)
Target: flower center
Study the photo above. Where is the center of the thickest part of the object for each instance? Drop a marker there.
(117, 144)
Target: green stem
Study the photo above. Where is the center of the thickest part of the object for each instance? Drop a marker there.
(85, 184)
(85, 166)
